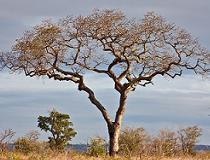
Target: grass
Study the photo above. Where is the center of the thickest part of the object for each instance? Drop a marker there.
(77, 156)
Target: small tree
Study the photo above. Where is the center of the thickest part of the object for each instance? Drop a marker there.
(59, 126)
(188, 137)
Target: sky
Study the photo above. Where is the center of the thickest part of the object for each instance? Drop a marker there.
(169, 103)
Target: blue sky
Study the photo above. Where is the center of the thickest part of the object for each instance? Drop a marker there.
(166, 104)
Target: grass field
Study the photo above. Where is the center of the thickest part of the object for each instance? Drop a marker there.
(76, 156)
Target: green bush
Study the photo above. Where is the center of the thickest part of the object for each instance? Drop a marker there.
(97, 147)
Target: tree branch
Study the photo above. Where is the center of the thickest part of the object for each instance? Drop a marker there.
(93, 99)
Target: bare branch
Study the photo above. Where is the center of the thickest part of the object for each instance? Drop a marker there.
(83, 87)
(5, 138)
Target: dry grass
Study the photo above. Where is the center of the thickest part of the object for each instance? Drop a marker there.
(75, 156)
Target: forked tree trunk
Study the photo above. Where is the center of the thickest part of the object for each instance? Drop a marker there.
(115, 127)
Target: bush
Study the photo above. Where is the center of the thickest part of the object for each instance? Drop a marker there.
(97, 147)
(165, 143)
(29, 143)
(188, 137)
(5, 138)
(133, 142)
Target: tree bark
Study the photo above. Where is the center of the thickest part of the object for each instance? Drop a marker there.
(115, 127)
(114, 133)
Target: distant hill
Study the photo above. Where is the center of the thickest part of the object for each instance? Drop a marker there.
(199, 148)
(78, 147)
(83, 147)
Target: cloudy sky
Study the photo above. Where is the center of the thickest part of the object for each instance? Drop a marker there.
(168, 103)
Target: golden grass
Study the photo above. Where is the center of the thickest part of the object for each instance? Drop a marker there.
(76, 156)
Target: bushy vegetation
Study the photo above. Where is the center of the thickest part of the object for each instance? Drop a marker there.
(135, 143)
(59, 125)
(30, 144)
(5, 138)
(188, 137)
(97, 147)
(167, 143)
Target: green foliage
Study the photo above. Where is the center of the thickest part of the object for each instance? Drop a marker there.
(132, 141)
(97, 147)
(59, 126)
(30, 144)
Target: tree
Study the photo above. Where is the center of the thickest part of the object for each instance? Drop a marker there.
(131, 53)
(188, 137)
(59, 126)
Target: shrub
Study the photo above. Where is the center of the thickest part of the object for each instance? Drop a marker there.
(188, 137)
(97, 147)
(5, 138)
(133, 142)
(165, 143)
(29, 143)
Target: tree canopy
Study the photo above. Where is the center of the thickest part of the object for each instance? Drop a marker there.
(107, 42)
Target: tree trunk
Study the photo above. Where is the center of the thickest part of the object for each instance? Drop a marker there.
(115, 127)
(114, 133)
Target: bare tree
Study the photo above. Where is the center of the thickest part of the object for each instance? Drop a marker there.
(166, 143)
(5, 138)
(129, 52)
(188, 137)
